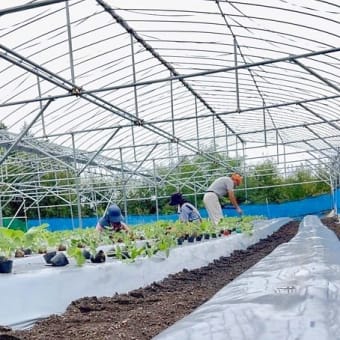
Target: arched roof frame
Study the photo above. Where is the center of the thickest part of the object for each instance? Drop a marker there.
(122, 85)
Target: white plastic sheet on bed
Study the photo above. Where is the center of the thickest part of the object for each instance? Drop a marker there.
(293, 293)
(35, 290)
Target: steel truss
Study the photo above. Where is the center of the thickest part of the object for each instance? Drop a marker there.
(107, 93)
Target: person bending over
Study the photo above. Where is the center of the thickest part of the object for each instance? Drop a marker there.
(112, 220)
(223, 186)
(187, 211)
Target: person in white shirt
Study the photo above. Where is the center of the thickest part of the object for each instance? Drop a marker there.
(223, 186)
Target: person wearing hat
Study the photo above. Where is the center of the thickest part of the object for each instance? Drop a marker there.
(187, 212)
(112, 220)
(222, 186)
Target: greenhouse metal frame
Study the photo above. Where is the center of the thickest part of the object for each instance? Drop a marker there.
(110, 91)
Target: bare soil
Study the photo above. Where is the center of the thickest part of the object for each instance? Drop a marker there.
(143, 313)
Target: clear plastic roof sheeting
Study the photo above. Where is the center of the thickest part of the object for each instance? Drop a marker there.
(133, 81)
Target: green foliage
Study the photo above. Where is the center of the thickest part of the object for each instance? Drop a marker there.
(9, 241)
(37, 238)
(76, 253)
(165, 243)
(264, 183)
(206, 227)
(263, 177)
(161, 237)
(270, 186)
(306, 188)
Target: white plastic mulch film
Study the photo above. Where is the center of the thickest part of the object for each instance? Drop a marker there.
(291, 294)
(35, 290)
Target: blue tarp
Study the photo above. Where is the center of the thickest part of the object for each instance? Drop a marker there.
(296, 209)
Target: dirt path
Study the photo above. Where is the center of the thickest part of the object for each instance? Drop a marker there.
(144, 313)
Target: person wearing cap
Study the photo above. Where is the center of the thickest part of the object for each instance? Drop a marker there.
(187, 211)
(222, 186)
(112, 220)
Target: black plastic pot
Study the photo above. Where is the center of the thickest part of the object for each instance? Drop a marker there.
(206, 236)
(59, 260)
(6, 266)
(180, 240)
(28, 251)
(213, 235)
(86, 254)
(99, 257)
(48, 256)
(199, 238)
(191, 239)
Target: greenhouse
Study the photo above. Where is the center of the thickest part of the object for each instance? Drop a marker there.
(127, 102)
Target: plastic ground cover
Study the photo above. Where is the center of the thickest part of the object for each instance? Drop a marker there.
(293, 293)
(35, 290)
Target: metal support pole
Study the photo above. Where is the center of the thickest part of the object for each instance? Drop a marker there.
(285, 160)
(156, 189)
(123, 184)
(236, 77)
(172, 119)
(277, 147)
(97, 152)
(37, 196)
(245, 177)
(214, 130)
(29, 6)
(69, 36)
(77, 180)
(135, 93)
(141, 163)
(1, 217)
(41, 107)
(197, 126)
(264, 124)
(23, 133)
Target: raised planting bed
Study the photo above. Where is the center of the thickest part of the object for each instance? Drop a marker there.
(52, 289)
(145, 312)
(291, 293)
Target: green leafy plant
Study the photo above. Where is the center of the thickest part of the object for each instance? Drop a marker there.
(37, 238)
(10, 240)
(77, 254)
(165, 243)
(134, 252)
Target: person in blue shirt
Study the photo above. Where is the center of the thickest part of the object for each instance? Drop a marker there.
(112, 220)
(187, 211)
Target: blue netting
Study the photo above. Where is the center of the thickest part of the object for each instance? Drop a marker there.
(296, 209)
